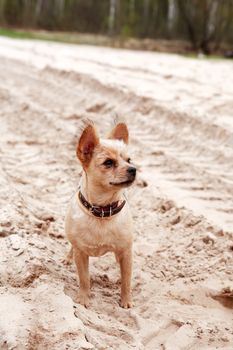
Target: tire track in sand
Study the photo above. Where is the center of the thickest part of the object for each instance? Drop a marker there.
(41, 113)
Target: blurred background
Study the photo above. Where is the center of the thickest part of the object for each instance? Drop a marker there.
(196, 25)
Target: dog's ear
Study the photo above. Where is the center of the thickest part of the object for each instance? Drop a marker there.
(120, 132)
(86, 145)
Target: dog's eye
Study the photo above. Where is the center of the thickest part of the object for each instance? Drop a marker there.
(129, 160)
(109, 163)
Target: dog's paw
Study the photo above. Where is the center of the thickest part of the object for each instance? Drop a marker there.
(126, 303)
(67, 261)
(83, 299)
(69, 258)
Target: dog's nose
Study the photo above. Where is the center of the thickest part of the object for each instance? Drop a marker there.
(132, 171)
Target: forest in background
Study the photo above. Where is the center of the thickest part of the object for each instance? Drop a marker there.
(206, 24)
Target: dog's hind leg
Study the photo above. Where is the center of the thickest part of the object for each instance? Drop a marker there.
(69, 258)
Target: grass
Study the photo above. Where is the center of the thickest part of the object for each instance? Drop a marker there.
(15, 34)
(178, 47)
(64, 37)
(203, 57)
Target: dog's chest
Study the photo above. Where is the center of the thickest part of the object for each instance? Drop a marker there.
(96, 236)
(97, 240)
(98, 250)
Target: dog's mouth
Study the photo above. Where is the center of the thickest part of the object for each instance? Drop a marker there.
(123, 183)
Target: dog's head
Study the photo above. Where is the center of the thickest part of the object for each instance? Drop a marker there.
(106, 161)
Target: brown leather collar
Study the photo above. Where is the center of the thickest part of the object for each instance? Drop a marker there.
(101, 212)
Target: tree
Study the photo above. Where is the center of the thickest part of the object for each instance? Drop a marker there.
(112, 16)
(205, 23)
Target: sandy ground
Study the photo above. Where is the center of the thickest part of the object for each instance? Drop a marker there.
(179, 113)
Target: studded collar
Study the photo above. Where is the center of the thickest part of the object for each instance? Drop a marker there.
(99, 211)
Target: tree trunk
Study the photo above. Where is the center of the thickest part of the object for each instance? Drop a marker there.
(131, 8)
(171, 15)
(38, 8)
(112, 17)
(189, 24)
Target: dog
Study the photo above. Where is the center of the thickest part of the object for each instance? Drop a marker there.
(98, 218)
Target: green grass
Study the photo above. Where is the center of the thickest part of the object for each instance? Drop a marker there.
(16, 34)
(64, 37)
(101, 40)
(213, 57)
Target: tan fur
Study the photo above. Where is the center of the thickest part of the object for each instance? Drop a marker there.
(92, 236)
(120, 132)
(88, 141)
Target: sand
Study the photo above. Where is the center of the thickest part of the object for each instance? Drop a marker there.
(179, 112)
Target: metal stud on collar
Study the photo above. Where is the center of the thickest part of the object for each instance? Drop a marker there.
(99, 211)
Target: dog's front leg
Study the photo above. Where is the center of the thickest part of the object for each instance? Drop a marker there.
(125, 260)
(82, 263)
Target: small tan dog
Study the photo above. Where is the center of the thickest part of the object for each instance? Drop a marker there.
(98, 218)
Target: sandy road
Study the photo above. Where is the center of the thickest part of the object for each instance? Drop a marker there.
(180, 116)
(189, 101)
